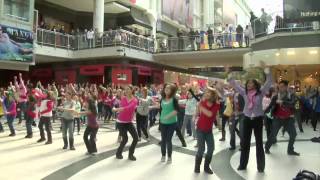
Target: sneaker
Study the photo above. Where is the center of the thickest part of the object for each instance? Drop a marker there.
(72, 148)
(241, 168)
(119, 156)
(29, 136)
(293, 153)
(184, 145)
(12, 135)
(93, 154)
(232, 148)
(169, 160)
(163, 159)
(267, 151)
(48, 142)
(41, 140)
(132, 158)
(87, 154)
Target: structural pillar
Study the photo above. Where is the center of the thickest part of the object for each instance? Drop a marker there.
(98, 16)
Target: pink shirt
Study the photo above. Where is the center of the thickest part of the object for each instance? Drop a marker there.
(22, 91)
(129, 107)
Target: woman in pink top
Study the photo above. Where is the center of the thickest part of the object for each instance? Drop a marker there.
(126, 110)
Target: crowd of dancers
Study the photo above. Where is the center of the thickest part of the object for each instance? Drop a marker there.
(187, 109)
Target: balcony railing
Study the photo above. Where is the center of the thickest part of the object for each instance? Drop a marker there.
(274, 23)
(105, 39)
(203, 42)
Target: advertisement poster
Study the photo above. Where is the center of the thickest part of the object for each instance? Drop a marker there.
(179, 10)
(295, 10)
(15, 44)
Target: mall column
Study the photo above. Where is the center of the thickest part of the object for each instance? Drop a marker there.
(98, 16)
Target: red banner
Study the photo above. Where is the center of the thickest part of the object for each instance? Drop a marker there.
(65, 77)
(122, 76)
(92, 70)
(144, 72)
(44, 72)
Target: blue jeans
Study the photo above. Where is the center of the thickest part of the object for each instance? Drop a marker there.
(22, 113)
(10, 120)
(67, 126)
(205, 138)
(167, 131)
(29, 122)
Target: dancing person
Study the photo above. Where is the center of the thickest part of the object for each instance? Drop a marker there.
(46, 107)
(30, 114)
(77, 116)
(68, 111)
(92, 127)
(21, 91)
(282, 107)
(227, 114)
(267, 114)
(207, 111)
(236, 119)
(169, 109)
(10, 111)
(253, 94)
(2, 108)
(126, 112)
(190, 113)
(145, 102)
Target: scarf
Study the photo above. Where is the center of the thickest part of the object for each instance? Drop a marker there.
(252, 98)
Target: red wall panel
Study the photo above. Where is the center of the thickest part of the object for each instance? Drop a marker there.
(66, 76)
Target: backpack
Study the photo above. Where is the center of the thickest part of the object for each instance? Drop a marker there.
(306, 175)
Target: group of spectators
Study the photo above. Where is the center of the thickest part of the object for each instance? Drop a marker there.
(90, 38)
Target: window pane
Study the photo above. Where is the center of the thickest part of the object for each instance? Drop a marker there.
(19, 9)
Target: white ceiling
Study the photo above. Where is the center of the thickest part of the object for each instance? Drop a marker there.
(87, 5)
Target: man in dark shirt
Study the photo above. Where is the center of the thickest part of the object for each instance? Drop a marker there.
(282, 108)
(210, 37)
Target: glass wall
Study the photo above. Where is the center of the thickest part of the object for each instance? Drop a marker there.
(18, 9)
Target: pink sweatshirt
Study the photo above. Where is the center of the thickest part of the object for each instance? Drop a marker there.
(129, 107)
(22, 91)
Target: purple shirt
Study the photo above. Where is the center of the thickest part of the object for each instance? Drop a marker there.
(257, 110)
(92, 120)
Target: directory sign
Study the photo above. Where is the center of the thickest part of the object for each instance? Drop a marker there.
(15, 44)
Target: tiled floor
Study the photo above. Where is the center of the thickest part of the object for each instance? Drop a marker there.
(25, 159)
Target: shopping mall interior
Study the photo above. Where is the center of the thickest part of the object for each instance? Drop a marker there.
(67, 67)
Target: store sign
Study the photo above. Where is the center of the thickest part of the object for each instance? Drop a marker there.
(16, 44)
(92, 70)
(122, 76)
(144, 72)
(295, 10)
(43, 72)
(214, 69)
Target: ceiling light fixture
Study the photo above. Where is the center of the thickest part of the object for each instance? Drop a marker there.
(313, 52)
(277, 54)
(291, 53)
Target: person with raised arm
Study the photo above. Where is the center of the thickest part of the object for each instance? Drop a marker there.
(22, 97)
(126, 110)
(253, 94)
(207, 111)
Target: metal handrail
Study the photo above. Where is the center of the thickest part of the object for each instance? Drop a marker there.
(278, 24)
(82, 41)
